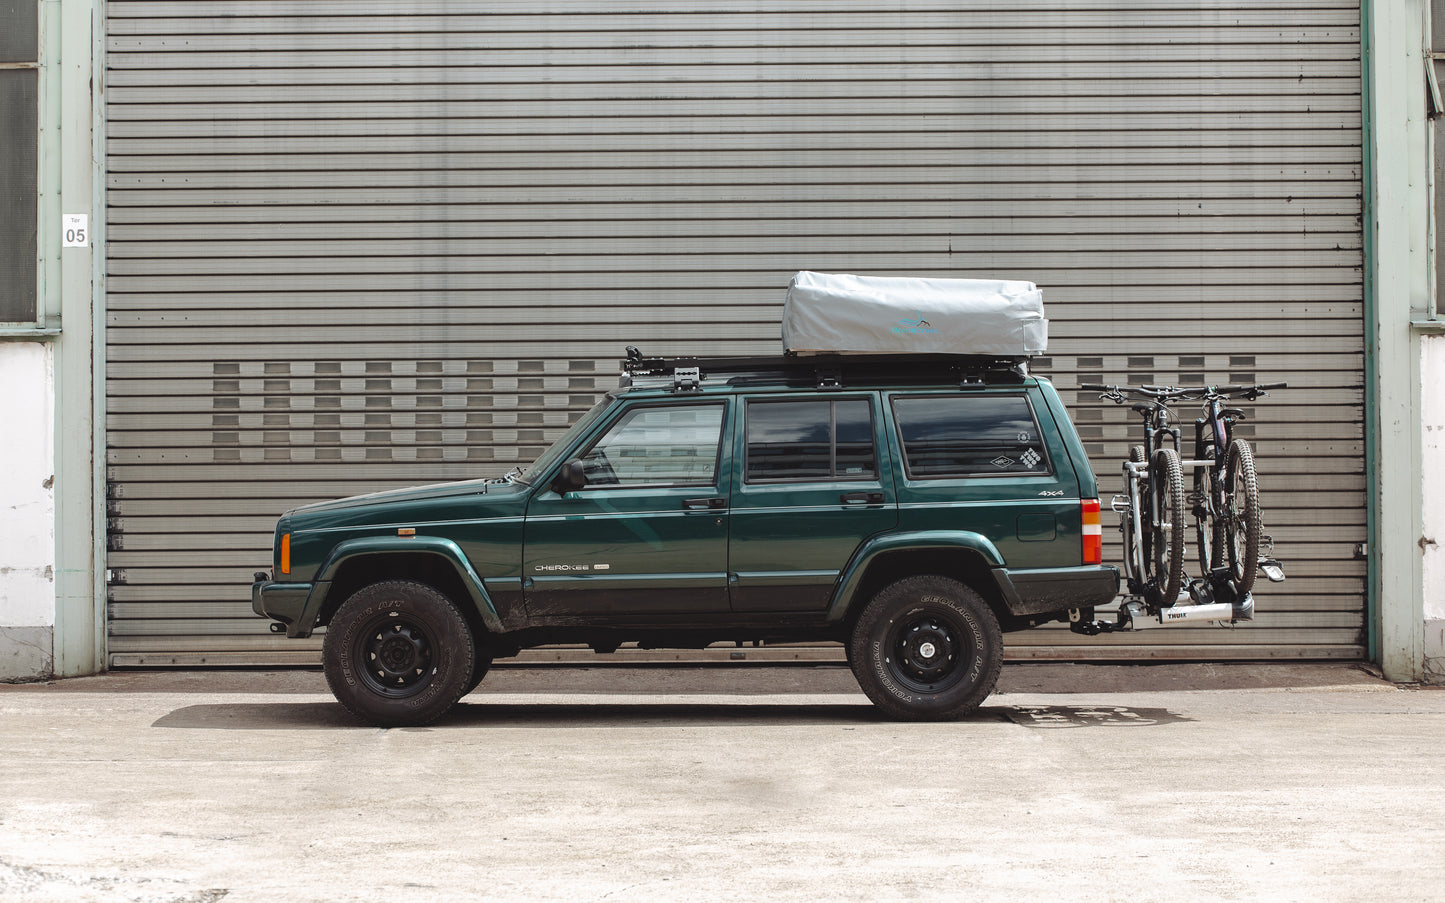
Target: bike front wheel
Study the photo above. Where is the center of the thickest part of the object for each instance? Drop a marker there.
(1164, 532)
(1241, 515)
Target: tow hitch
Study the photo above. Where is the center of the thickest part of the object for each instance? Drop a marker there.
(1213, 599)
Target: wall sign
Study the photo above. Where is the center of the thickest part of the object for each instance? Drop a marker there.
(75, 230)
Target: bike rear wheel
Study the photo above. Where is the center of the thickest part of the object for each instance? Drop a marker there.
(1241, 515)
(1208, 513)
(1126, 523)
(1164, 530)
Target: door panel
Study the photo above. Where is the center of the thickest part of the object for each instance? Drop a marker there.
(648, 534)
(807, 493)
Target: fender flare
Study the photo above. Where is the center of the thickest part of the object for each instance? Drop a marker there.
(370, 546)
(924, 540)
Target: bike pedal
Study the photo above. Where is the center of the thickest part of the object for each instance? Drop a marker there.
(1272, 570)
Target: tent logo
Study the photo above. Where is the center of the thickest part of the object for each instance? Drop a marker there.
(919, 326)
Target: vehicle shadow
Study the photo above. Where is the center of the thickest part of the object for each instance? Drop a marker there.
(540, 714)
(543, 714)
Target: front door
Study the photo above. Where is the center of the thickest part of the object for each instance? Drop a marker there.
(648, 533)
(813, 483)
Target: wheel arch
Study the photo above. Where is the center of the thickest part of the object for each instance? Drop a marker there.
(969, 558)
(438, 564)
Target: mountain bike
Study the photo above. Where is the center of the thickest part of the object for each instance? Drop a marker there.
(1151, 510)
(1225, 494)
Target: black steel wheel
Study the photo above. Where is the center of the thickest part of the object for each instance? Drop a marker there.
(927, 648)
(1241, 519)
(398, 653)
(1164, 529)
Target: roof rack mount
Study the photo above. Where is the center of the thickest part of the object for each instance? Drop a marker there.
(824, 371)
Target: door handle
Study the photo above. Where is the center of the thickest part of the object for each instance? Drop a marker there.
(712, 504)
(861, 498)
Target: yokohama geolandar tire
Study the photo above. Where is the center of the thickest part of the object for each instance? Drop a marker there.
(927, 648)
(481, 664)
(398, 653)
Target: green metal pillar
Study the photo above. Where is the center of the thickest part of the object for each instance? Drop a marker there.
(1397, 291)
(71, 293)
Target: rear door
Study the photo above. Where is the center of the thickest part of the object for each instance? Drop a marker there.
(811, 482)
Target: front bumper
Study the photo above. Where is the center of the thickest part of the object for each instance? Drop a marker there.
(283, 602)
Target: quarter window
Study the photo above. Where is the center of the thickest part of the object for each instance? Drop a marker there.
(810, 440)
(658, 446)
(969, 435)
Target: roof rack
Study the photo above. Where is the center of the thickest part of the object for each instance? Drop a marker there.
(822, 371)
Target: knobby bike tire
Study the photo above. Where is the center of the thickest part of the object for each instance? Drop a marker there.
(1165, 563)
(1126, 524)
(1241, 521)
(1208, 512)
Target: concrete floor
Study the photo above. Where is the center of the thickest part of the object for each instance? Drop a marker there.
(1075, 782)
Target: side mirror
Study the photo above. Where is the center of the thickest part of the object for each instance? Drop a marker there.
(571, 477)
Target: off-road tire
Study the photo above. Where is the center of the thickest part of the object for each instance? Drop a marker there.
(398, 653)
(927, 648)
(481, 664)
(1241, 520)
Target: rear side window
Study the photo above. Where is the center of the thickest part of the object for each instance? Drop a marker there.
(810, 440)
(969, 435)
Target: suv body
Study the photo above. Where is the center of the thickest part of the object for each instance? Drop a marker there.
(912, 508)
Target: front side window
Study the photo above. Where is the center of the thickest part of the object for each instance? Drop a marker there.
(672, 446)
(969, 435)
(810, 440)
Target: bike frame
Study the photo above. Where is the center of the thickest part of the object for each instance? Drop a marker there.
(1159, 432)
(1212, 597)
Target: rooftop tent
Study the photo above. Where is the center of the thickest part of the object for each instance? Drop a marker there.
(838, 313)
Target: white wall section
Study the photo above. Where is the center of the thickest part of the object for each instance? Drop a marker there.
(1432, 538)
(27, 510)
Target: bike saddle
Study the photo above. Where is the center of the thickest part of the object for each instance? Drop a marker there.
(1236, 413)
(1143, 408)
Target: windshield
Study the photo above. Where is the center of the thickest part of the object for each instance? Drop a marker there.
(550, 456)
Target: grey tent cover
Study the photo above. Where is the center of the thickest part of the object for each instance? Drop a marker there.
(838, 313)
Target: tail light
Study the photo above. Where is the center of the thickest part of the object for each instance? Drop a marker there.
(1093, 531)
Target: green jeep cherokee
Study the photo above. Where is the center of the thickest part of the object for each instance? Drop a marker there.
(911, 508)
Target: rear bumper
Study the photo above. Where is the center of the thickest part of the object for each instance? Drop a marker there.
(1049, 590)
(282, 602)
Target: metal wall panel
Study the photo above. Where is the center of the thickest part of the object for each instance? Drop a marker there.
(19, 109)
(369, 244)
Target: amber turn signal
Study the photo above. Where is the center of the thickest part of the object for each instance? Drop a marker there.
(285, 553)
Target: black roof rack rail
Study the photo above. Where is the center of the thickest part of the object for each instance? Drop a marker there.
(824, 371)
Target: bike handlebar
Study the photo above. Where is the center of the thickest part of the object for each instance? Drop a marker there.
(1182, 392)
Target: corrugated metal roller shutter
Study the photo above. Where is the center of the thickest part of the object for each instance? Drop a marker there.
(373, 243)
